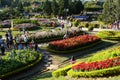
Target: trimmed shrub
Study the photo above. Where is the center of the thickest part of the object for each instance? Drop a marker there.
(61, 72)
(90, 28)
(97, 73)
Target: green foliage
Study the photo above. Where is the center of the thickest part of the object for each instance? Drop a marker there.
(93, 6)
(76, 23)
(16, 59)
(90, 28)
(111, 8)
(20, 21)
(111, 35)
(61, 72)
(109, 53)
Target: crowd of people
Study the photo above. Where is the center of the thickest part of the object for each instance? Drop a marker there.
(18, 42)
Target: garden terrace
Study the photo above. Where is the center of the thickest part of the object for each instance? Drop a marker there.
(94, 66)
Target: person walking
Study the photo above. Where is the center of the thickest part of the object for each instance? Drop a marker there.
(2, 49)
(72, 60)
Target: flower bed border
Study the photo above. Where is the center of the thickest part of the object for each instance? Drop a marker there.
(74, 50)
(95, 73)
(22, 68)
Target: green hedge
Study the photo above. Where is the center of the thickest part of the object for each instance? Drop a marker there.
(96, 73)
(20, 21)
(110, 35)
(74, 50)
(22, 68)
(61, 72)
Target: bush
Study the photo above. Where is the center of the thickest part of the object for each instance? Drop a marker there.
(86, 25)
(76, 23)
(20, 21)
(90, 28)
(11, 62)
(61, 72)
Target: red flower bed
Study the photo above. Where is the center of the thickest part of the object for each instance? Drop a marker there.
(97, 65)
(72, 43)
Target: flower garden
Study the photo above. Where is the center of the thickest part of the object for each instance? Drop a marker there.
(72, 44)
(95, 66)
(18, 60)
(59, 40)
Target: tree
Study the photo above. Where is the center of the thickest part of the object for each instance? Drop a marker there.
(47, 7)
(20, 7)
(55, 7)
(111, 11)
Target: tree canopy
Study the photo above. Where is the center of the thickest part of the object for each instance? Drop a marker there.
(111, 11)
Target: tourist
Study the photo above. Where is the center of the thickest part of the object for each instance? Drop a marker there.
(2, 49)
(36, 47)
(6, 35)
(0, 41)
(10, 41)
(72, 60)
(25, 40)
(17, 41)
(23, 29)
(9, 31)
(32, 44)
(74, 33)
(20, 46)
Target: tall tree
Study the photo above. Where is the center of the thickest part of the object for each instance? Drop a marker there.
(111, 11)
(47, 7)
(55, 7)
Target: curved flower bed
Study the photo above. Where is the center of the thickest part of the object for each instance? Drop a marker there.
(72, 43)
(12, 62)
(27, 26)
(99, 65)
